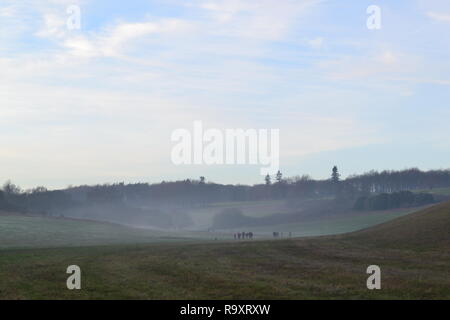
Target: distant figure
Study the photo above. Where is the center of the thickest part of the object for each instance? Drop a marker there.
(239, 236)
(251, 235)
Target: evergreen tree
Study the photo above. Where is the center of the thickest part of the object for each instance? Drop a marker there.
(279, 176)
(335, 176)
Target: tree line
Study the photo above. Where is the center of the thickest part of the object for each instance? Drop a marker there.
(200, 192)
(385, 201)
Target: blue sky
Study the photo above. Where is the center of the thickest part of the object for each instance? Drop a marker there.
(99, 104)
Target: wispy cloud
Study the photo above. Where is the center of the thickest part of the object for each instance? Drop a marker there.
(316, 43)
(260, 20)
(114, 41)
(439, 16)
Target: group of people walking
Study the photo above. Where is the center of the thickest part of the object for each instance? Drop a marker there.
(281, 235)
(249, 235)
(243, 235)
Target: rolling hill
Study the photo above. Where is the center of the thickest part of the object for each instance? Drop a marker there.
(28, 231)
(32, 231)
(413, 253)
(424, 229)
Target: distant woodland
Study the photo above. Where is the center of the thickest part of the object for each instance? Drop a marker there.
(162, 203)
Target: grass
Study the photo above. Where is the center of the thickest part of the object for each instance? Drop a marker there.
(352, 221)
(323, 225)
(19, 231)
(412, 251)
(442, 191)
(203, 217)
(437, 191)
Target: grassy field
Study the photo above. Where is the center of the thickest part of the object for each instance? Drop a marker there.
(436, 191)
(323, 225)
(441, 191)
(344, 223)
(413, 252)
(19, 231)
(203, 217)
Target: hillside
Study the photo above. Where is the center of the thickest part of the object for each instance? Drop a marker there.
(427, 228)
(412, 251)
(27, 231)
(31, 231)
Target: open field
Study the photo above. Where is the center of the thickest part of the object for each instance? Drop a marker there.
(412, 251)
(435, 191)
(21, 231)
(203, 217)
(440, 191)
(344, 223)
(309, 225)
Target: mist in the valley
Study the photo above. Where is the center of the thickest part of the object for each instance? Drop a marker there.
(199, 205)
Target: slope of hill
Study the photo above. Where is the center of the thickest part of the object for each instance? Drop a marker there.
(332, 267)
(30, 231)
(24, 231)
(427, 228)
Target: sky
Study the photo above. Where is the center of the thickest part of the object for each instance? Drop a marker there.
(98, 104)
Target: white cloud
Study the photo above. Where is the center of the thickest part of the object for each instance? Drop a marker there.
(114, 41)
(260, 20)
(316, 43)
(8, 12)
(388, 58)
(379, 66)
(440, 17)
(54, 26)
